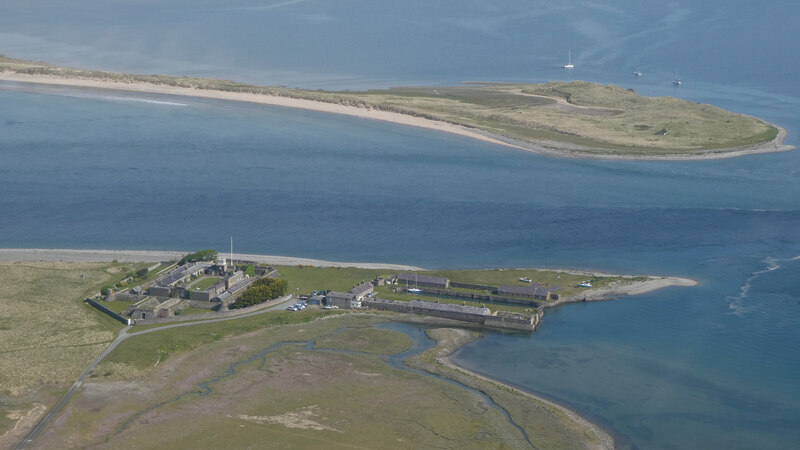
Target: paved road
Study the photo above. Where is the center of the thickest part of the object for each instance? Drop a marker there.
(121, 336)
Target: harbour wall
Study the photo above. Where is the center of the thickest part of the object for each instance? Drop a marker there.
(471, 314)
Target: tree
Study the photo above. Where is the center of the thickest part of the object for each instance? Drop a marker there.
(261, 291)
(202, 255)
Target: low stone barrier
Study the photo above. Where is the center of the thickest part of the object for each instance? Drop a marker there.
(105, 309)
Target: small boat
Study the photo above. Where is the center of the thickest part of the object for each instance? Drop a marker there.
(637, 73)
(585, 284)
(526, 280)
(569, 64)
(414, 291)
(676, 81)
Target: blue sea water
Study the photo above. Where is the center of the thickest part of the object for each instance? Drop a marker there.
(712, 366)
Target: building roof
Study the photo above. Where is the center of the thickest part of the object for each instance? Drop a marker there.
(240, 285)
(533, 290)
(216, 286)
(361, 288)
(417, 278)
(345, 295)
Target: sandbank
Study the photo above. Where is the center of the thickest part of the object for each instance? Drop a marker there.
(550, 148)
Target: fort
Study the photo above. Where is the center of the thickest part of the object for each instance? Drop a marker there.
(461, 313)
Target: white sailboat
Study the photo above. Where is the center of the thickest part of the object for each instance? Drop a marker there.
(569, 64)
(676, 81)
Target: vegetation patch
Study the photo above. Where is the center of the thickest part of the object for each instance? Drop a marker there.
(202, 255)
(366, 340)
(262, 290)
(205, 283)
(267, 386)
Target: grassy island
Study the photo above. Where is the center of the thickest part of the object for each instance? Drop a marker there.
(575, 119)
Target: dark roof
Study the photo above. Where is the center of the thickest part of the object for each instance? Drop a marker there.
(528, 291)
(216, 286)
(178, 274)
(417, 278)
(346, 295)
(363, 287)
(240, 285)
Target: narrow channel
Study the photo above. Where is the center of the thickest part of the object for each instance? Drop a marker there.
(420, 343)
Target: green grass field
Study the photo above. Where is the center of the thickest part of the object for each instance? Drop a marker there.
(575, 117)
(306, 279)
(204, 283)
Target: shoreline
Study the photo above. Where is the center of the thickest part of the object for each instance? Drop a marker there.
(615, 291)
(463, 337)
(547, 148)
(91, 255)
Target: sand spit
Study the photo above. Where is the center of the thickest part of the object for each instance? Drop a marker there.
(272, 100)
(617, 289)
(75, 255)
(549, 148)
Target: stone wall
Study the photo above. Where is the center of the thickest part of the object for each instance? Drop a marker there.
(213, 315)
(513, 321)
(444, 310)
(105, 309)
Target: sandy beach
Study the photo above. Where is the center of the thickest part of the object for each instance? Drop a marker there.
(272, 100)
(75, 255)
(549, 148)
